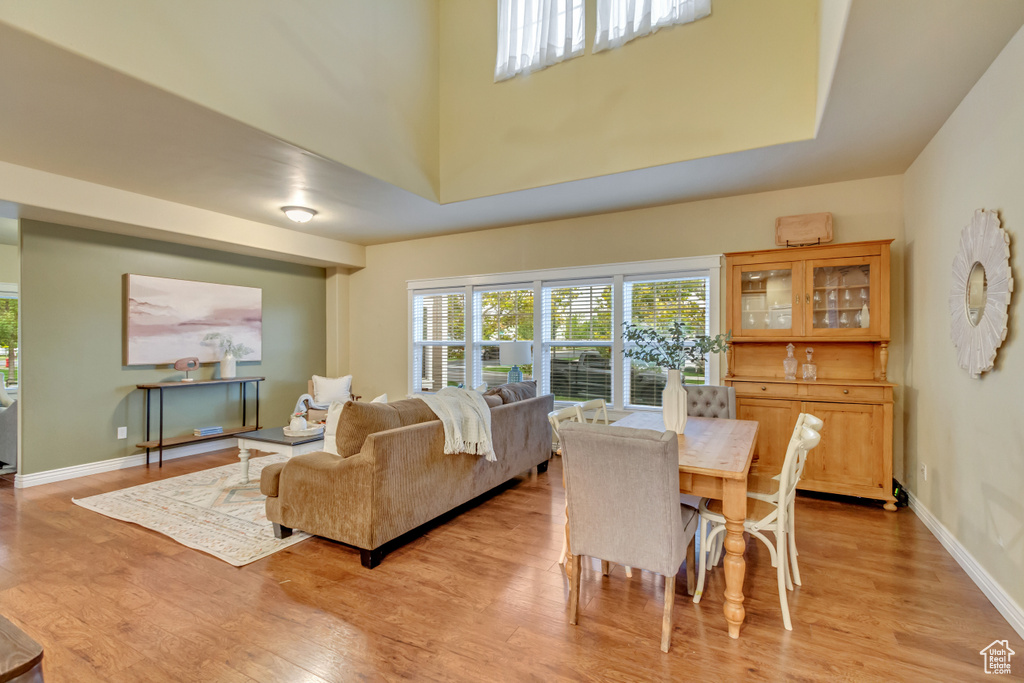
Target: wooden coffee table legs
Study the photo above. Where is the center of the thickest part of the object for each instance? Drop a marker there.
(734, 508)
(243, 455)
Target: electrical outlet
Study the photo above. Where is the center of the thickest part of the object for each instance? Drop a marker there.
(122, 432)
(924, 472)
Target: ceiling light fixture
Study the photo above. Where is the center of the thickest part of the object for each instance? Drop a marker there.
(299, 214)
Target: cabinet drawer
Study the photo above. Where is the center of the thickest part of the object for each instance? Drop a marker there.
(770, 389)
(850, 393)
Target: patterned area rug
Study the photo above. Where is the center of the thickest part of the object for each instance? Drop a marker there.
(211, 510)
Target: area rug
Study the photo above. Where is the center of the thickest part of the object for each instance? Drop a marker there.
(211, 510)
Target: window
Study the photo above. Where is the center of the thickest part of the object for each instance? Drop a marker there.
(574, 318)
(439, 346)
(504, 314)
(533, 34)
(620, 21)
(658, 303)
(577, 340)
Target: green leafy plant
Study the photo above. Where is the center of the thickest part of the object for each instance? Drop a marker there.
(226, 345)
(673, 349)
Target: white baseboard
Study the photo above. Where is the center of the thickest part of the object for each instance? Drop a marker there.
(48, 477)
(999, 598)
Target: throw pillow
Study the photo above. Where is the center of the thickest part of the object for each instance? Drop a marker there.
(492, 400)
(383, 398)
(362, 419)
(329, 389)
(331, 428)
(510, 393)
(482, 388)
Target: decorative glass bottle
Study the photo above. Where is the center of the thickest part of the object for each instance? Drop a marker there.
(789, 362)
(810, 369)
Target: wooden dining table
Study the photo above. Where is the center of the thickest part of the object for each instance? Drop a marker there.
(714, 462)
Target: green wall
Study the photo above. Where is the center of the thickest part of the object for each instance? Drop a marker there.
(75, 390)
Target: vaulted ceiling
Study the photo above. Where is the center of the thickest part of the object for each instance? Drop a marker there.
(244, 111)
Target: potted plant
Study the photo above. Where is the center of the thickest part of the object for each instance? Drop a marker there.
(230, 352)
(672, 350)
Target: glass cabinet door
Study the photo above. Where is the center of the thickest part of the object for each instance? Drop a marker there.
(842, 297)
(764, 298)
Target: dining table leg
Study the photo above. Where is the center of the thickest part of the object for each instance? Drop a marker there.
(734, 509)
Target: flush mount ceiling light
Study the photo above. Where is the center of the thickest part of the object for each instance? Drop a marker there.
(299, 214)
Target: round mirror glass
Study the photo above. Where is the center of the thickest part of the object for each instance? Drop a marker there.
(976, 286)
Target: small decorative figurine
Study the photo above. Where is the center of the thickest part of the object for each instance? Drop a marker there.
(789, 362)
(865, 317)
(187, 365)
(810, 369)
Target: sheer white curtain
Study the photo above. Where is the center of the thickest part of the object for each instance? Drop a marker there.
(620, 21)
(533, 34)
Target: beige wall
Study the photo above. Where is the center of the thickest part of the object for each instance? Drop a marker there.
(351, 80)
(745, 77)
(10, 267)
(968, 431)
(75, 392)
(862, 210)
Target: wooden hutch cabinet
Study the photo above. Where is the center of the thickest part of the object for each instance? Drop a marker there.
(834, 299)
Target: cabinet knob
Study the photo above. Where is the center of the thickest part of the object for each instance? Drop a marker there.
(764, 388)
(808, 299)
(846, 391)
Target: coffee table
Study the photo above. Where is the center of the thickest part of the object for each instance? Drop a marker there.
(273, 440)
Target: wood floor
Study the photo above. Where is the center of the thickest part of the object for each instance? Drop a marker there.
(479, 598)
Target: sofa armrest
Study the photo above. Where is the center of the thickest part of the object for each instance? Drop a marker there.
(270, 479)
(322, 494)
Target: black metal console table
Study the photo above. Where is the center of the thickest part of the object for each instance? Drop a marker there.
(161, 442)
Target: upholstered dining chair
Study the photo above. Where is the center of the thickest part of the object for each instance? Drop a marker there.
(710, 401)
(638, 471)
(766, 513)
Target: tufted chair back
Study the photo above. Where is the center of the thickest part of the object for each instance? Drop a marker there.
(708, 401)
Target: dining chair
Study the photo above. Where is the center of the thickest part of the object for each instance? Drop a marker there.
(768, 513)
(764, 486)
(637, 470)
(600, 409)
(557, 418)
(710, 401)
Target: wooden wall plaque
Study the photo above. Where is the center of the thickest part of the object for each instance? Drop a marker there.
(808, 228)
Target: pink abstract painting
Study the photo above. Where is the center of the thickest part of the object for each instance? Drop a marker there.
(168, 319)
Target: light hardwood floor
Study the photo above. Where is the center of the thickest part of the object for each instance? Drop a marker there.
(478, 598)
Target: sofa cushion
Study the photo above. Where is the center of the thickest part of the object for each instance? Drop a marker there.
(359, 420)
(510, 393)
(329, 389)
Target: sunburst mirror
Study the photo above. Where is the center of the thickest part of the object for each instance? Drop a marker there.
(980, 298)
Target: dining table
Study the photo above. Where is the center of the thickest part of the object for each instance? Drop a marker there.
(714, 462)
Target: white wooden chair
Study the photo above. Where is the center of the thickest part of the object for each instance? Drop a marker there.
(765, 513)
(600, 409)
(557, 418)
(761, 487)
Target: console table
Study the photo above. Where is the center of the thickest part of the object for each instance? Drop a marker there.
(160, 443)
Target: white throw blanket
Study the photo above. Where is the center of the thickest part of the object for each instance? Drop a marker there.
(300, 405)
(466, 419)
